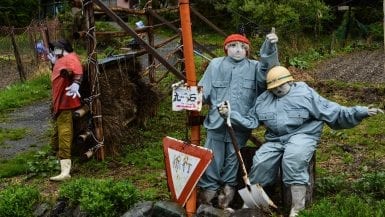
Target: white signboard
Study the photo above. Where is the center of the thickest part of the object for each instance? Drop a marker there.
(187, 98)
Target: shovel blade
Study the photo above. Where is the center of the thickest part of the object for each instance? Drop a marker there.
(247, 198)
(255, 197)
(260, 196)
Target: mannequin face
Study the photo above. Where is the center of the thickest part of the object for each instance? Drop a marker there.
(236, 50)
(281, 90)
(58, 51)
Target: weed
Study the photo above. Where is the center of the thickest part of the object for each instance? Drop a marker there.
(42, 164)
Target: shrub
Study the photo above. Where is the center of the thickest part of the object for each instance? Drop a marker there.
(18, 201)
(104, 197)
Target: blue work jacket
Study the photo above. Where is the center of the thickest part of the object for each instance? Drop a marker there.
(239, 82)
(301, 111)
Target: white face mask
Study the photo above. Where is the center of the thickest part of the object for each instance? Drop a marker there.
(236, 50)
(281, 90)
(58, 51)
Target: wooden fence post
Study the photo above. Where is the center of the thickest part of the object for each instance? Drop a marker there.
(94, 81)
(20, 67)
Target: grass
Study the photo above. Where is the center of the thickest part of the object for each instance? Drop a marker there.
(11, 134)
(21, 94)
(15, 166)
(12, 97)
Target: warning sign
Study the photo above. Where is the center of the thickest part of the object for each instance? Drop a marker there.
(185, 164)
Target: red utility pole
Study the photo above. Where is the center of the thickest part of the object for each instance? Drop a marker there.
(188, 53)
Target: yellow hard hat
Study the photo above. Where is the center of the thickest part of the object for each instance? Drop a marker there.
(277, 76)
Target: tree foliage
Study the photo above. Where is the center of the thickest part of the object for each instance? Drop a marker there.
(291, 17)
(18, 13)
(287, 16)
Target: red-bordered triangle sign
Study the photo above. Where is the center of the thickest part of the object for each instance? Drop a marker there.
(185, 164)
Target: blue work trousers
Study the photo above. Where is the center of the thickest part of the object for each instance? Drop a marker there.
(294, 156)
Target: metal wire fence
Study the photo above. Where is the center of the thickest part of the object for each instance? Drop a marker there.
(19, 56)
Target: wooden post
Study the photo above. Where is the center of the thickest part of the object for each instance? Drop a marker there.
(96, 107)
(188, 53)
(150, 36)
(32, 42)
(19, 63)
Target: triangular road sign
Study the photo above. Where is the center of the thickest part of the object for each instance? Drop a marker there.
(185, 164)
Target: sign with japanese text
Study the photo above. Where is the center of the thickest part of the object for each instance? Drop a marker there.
(187, 98)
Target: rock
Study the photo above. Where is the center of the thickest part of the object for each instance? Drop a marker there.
(249, 213)
(210, 211)
(168, 209)
(142, 209)
(41, 210)
(58, 208)
(77, 212)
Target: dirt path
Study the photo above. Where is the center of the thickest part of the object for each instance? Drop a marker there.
(35, 119)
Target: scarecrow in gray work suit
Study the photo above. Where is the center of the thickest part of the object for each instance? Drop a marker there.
(294, 115)
(238, 79)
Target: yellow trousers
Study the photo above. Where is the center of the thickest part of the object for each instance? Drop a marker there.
(64, 133)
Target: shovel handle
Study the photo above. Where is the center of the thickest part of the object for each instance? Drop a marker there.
(238, 152)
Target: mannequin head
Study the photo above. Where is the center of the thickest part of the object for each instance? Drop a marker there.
(278, 80)
(237, 46)
(61, 47)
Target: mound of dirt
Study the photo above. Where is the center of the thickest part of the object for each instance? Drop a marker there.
(364, 66)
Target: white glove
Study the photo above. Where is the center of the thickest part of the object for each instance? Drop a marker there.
(374, 111)
(180, 83)
(224, 109)
(272, 37)
(73, 90)
(52, 58)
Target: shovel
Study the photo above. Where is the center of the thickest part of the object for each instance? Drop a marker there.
(253, 196)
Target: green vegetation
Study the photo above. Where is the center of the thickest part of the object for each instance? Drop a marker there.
(342, 205)
(21, 94)
(43, 164)
(11, 134)
(16, 96)
(18, 165)
(18, 201)
(100, 198)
